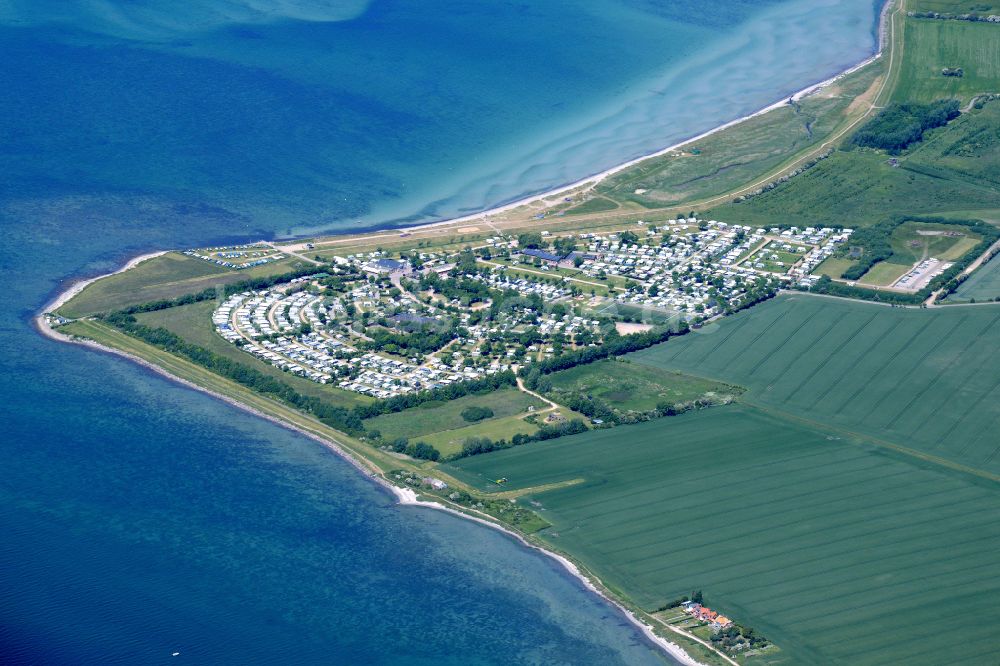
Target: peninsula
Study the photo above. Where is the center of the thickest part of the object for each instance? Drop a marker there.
(744, 387)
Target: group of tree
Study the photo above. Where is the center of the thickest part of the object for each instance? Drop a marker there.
(899, 126)
(464, 289)
(164, 304)
(425, 341)
(476, 413)
(419, 450)
(530, 240)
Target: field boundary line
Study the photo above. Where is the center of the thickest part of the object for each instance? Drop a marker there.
(876, 441)
(712, 348)
(535, 490)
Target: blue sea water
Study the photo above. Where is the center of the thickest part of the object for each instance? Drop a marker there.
(139, 518)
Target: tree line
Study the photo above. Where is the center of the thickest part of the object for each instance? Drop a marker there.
(614, 345)
(475, 446)
(334, 416)
(442, 393)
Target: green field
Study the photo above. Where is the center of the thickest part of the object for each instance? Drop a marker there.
(956, 167)
(913, 241)
(732, 158)
(983, 285)
(194, 323)
(926, 380)
(954, 6)
(838, 552)
(931, 45)
(167, 276)
(438, 417)
(834, 266)
(636, 387)
(449, 442)
(883, 273)
(775, 260)
(594, 205)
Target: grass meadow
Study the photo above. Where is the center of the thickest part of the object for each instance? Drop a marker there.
(956, 167)
(951, 6)
(838, 552)
(440, 417)
(736, 156)
(883, 273)
(931, 45)
(449, 442)
(168, 276)
(634, 386)
(862, 188)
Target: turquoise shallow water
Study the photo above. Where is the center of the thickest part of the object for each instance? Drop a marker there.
(394, 109)
(140, 518)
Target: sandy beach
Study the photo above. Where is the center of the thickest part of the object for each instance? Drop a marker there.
(80, 285)
(592, 180)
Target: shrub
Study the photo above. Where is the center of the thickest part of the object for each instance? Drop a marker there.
(474, 414)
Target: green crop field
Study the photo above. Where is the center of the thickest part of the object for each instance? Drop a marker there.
(927, 380)
(931, 45)
(438, 417)
(633, 386)
(167, 276)
(983, 285)
(840, 553)
(194, 323)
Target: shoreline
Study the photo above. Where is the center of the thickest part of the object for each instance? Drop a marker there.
(406, 496)
(76, 287)
(403, 496)
(594, 179)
